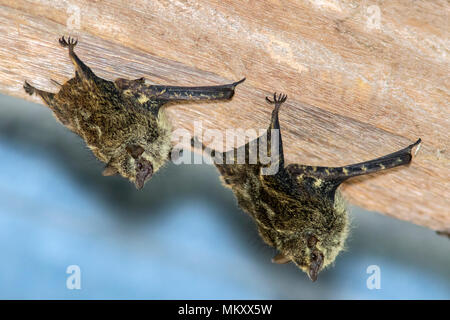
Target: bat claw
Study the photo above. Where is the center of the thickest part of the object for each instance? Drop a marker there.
(238, 82)
(417, 144)
(70, 42)
(277, 100)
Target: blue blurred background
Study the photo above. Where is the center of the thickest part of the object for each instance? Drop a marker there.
(181, 237)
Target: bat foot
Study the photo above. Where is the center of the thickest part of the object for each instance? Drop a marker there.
(70, 42)
(277, 100)
(28, 88)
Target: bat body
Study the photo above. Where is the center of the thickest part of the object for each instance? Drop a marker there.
(122, 122)
(297, 210)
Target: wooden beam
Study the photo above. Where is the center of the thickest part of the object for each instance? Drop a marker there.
(363, 79)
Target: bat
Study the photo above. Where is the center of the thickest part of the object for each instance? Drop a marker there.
(298, 210)
(122, 122)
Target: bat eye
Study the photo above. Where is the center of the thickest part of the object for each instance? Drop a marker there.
(311, 242)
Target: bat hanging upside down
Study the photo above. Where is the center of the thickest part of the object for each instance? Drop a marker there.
(122, 122)
(297, 209)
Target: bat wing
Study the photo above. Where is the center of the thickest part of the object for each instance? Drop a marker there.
(152, 97)
(326, 180)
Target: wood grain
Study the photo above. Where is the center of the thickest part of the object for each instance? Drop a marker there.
(357, 89)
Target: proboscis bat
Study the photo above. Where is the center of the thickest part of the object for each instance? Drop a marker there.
(122, 122)
(298, 210)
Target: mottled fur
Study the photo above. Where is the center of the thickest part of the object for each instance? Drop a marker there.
(122, 122)
(297, 210)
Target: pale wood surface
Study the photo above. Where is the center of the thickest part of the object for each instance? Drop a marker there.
(355, 91)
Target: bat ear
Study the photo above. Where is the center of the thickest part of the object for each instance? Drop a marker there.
(280, 259)
(109, 171)
(135, 150)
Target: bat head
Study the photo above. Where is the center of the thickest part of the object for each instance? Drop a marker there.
(312, 243)
(140, 169)
(133, 164)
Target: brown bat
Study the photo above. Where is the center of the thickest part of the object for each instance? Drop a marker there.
(122, 122)
(298, 210)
